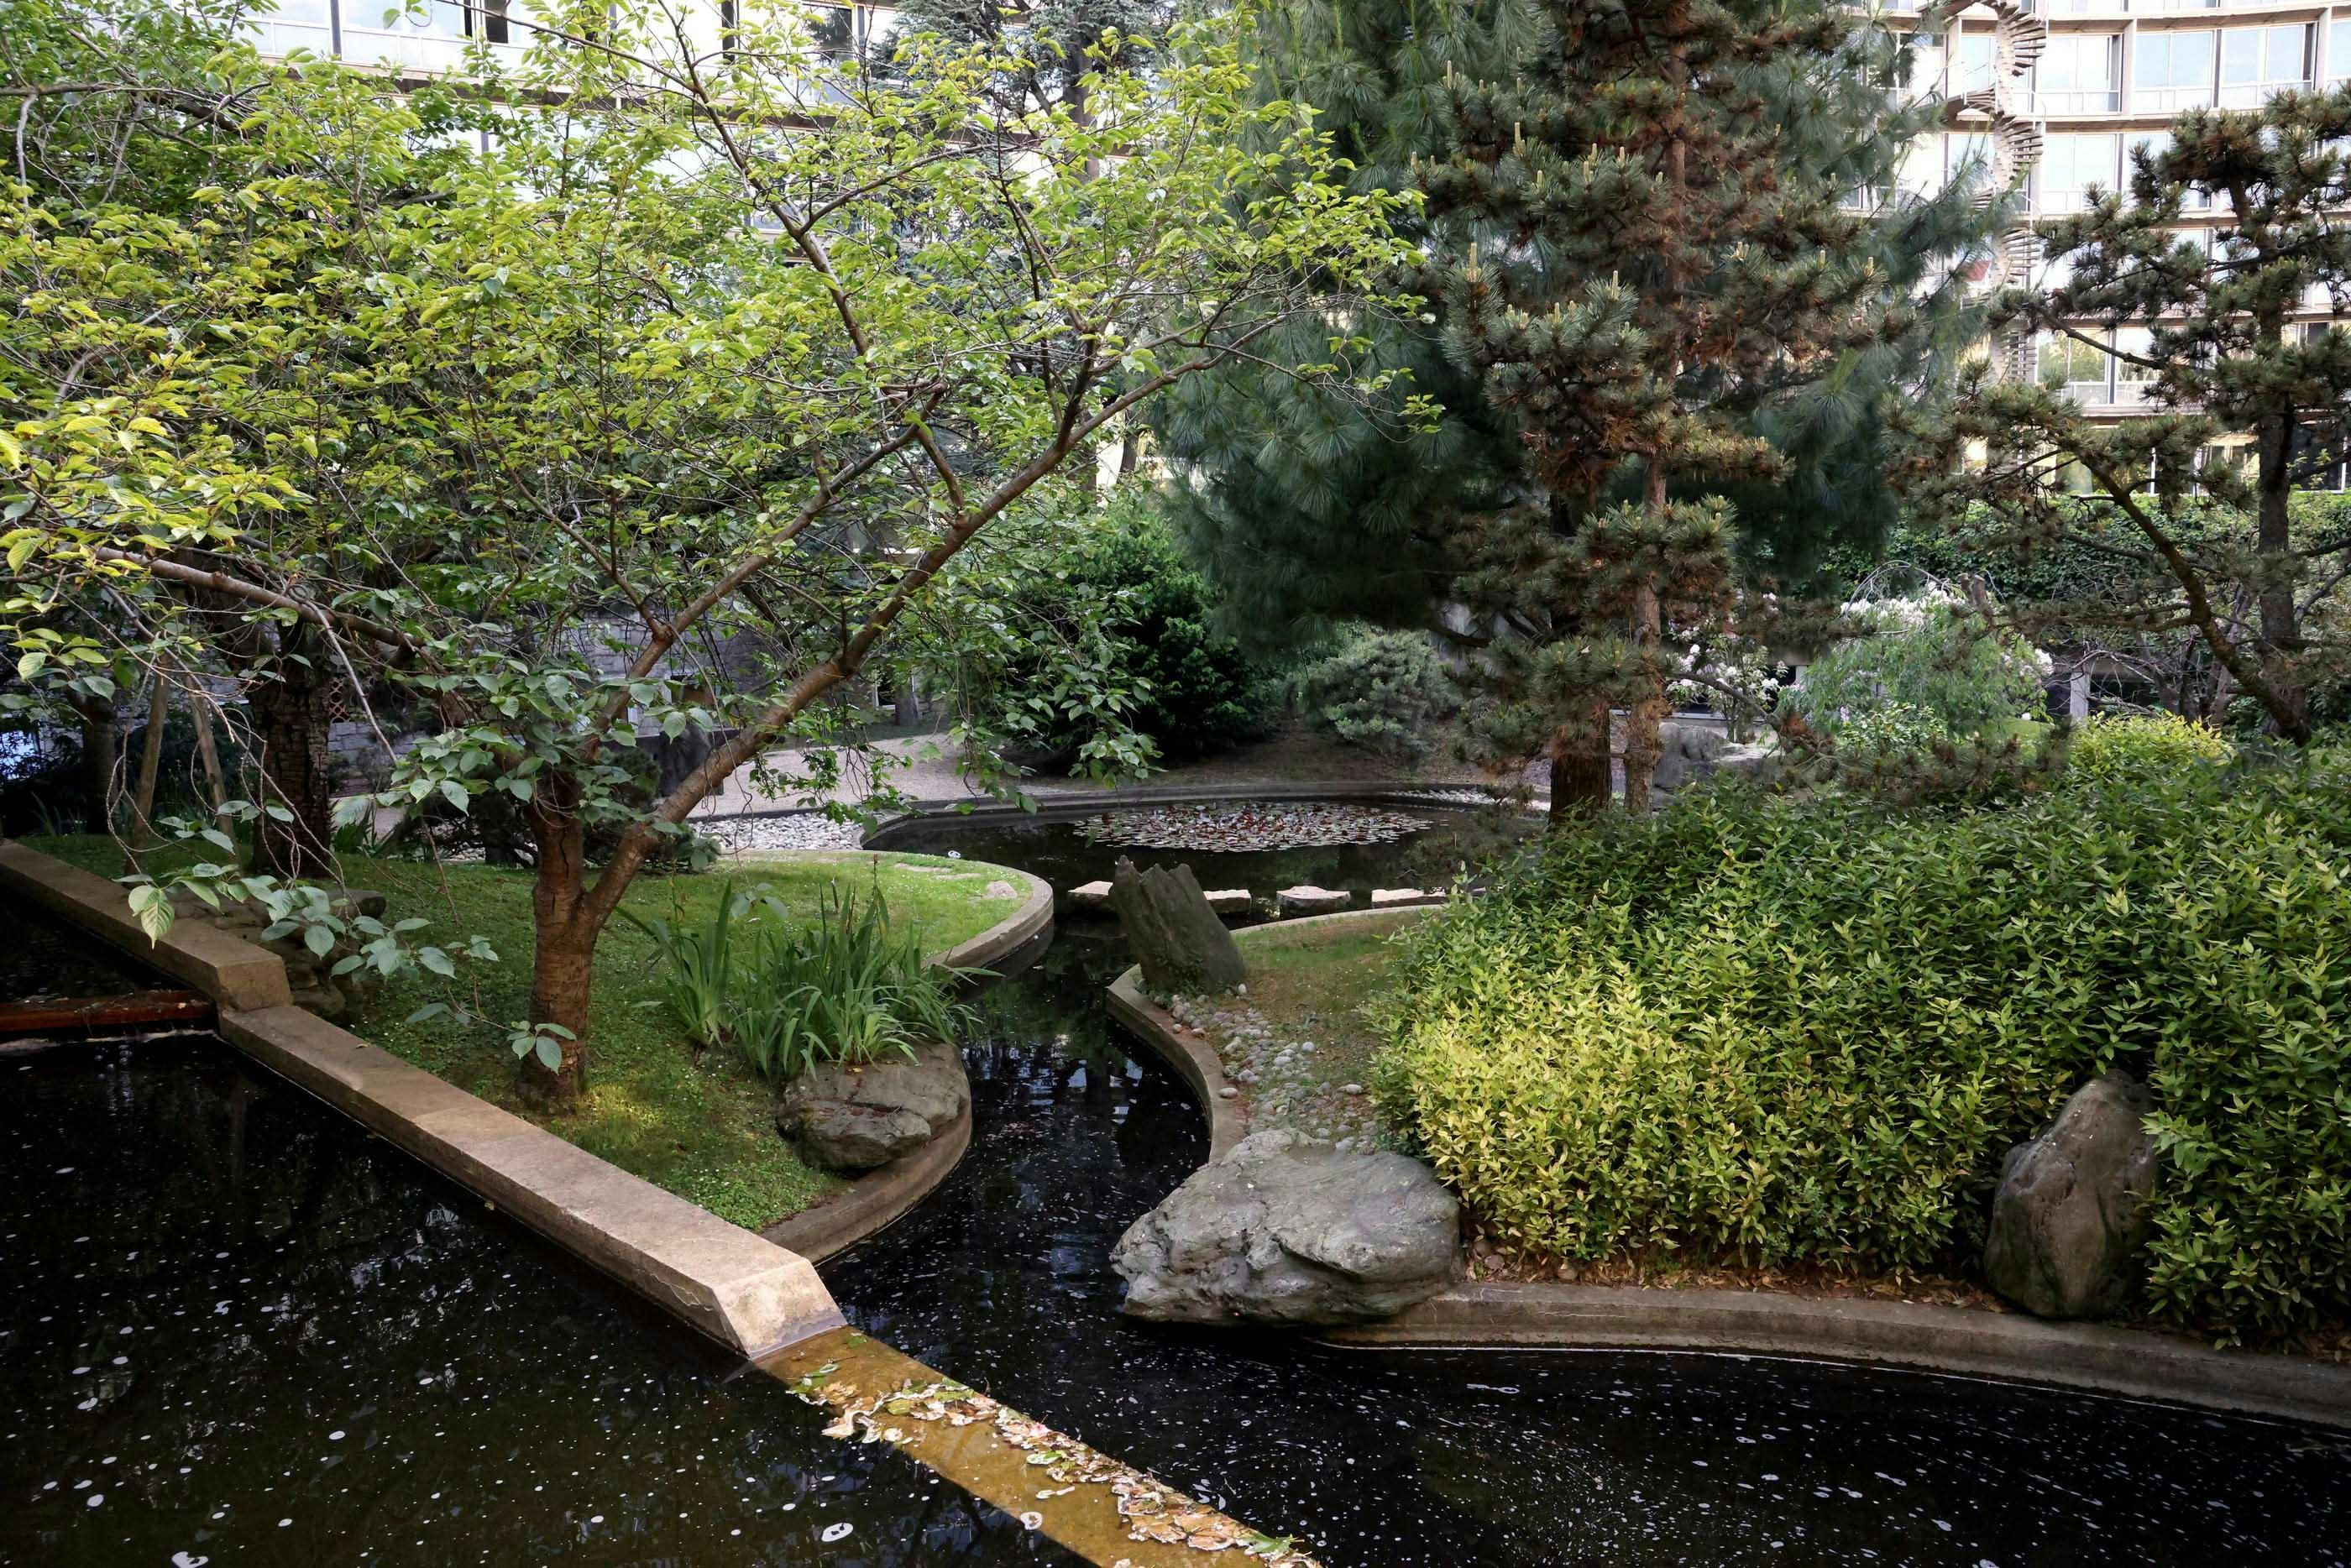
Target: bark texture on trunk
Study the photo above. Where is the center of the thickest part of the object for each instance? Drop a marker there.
(2281, 622)
(289, 718)
(565, 924)
(150, 765)
(98, 750)
(1580, 786)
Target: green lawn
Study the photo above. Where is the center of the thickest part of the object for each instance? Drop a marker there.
(700, 1127)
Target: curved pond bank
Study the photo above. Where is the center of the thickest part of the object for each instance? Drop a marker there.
(1512, 1457)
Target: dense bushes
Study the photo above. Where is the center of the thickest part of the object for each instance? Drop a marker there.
(2116, 748)
(1808, 1030)
(1386, 691)
(1122, 640)
(1926, 658)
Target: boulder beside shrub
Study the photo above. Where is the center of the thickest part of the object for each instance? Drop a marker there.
(855, 1117)
(2074, 1204)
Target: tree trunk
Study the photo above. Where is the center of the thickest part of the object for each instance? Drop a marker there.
(98, 757)
(200, 713)
(150, 765)
(1648, 714)
(565, 924)
(2280, 628)
(289, 710)
(1580, 786)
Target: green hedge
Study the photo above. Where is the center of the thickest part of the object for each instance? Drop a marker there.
(1774, 1030)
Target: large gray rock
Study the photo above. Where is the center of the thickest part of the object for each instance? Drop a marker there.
(1686, 752)
(2072, 1204)
(855, 1118)
(1285, 1228)
(1183, 947)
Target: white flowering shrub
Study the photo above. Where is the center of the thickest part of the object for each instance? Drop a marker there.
(1926, 662)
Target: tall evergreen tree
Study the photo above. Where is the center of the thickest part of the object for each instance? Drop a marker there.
(1636, 263)
(1307, 509)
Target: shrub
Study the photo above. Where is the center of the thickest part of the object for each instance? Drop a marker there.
(1778, 1031)
(845, 987)
(2110, 748)
(1386, 691)
(1927, 656)
(1136, 624)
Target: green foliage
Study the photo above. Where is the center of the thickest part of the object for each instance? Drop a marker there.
(1386, 691)
(1927, 656)
(1120, 659)
(847, 985)
(1780, 1029)
(2124, 748)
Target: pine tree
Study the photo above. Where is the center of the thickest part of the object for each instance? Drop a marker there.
(1308, 510)
(1636, 261)
(2249, 384)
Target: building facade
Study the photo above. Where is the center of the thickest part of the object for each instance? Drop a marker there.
(2059, 92)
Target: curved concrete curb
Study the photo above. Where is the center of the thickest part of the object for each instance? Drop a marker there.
(748, 1293)
(875, 1201)
(1191, 1054)
(1960, 1340)
(1008, 935)
(1491, 1315)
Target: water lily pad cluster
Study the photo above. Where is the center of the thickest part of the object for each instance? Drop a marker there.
(1241, 827)
(1152, 1510)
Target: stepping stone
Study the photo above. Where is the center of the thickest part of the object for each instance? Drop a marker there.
(1229, 900)
(1091, 895)
(1403, 897)
(1308, 899)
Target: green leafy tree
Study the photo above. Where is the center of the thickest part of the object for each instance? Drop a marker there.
(2191, 505)
(688, 374)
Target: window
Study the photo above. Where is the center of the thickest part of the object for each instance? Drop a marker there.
(2132, 382)
(1925, 63)
(2258, 61)
(297, 25)
(2072, 165)
(487, 20)
(1970, 160)
(2078, 74)
(2173, 70)
(2083, 371)
(2338, 49)
(2317, 459)
(1972, 63)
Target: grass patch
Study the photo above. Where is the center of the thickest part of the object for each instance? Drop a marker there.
(1316, 990)
(698, 1124)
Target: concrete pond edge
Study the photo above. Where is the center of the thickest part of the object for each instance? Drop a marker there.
(1957, 1341)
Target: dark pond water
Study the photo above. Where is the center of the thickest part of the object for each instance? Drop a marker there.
(239, 1331)
(40, 959)
(1391, 1461)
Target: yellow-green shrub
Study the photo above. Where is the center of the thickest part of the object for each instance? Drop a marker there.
(1774, 1030)
(2112, 747)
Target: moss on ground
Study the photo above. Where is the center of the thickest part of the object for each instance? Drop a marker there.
(699, 1125)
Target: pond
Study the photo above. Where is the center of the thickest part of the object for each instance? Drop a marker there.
(241, 1331)
(244, 1332)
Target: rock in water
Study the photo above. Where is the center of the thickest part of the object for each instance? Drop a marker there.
(1285, 1228)
(855, 1118)
(2072, 1204)
(1183, 949)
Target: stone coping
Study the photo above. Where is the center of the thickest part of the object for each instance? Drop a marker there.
(875, 1201)
(1970, 1342)
(1063, 805)
(744, 1292)
(231, 971)
(1192, 1056)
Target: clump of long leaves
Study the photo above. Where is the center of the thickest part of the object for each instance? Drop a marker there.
(789, 993)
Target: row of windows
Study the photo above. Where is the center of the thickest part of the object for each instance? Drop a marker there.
(2163, 72)
(437, 37)
(2105, 367)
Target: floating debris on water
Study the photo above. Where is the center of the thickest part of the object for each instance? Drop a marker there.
(1241, 827)
(1151, 1509)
